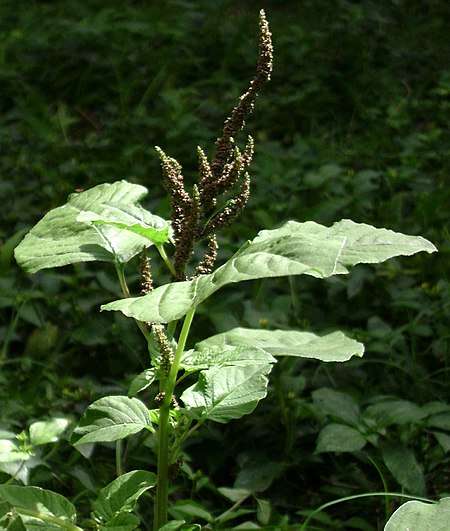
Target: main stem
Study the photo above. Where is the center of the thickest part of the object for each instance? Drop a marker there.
(167, 388)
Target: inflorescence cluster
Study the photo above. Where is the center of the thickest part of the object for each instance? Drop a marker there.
(198, 215)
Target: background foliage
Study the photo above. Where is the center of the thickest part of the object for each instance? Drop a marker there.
(354, 124)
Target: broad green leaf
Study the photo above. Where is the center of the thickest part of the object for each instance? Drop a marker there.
(235, 494)
(189, 509)
(121, 522)
(225, 393)
(264, 511)
(142, 381)
(332, 347)
(111, 418)
(59, 239)
(420, 516)
(47, 431)
(443, 439)
(339, 438)
(294, 249)
(257, 476)
(21, 469)
(225, 356)
(403, 465)
(122, 494)
(9, 452)
(173, 525)
(40, 500)
(132, 218)
(394, 412)
(440, 420)
(435, 407)
(337, 404)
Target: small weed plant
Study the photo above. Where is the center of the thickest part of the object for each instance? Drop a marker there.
(220, 378)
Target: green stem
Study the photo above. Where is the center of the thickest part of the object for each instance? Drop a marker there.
(166, 259)
(231, 509)
(119, 470)
(357, 496)
(9, 335)
(385, 485)
(48, 518)
(167, 387)
(126, 293)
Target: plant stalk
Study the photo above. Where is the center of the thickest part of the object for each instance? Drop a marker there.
(126, 293)
(167, 388)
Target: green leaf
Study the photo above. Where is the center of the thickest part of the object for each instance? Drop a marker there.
(59, 239)
(180, 525)
(391, 412)
(42, 502)
(142, 381)
(235, 494)
(443, 439)
(189, 509)
(257, 476)
(47, 431)
(294, 249)
(225, 393)
(224, 356)
(10, 452)
(420, 516)
(121, 522)
(332, 347)
(263, 511)
(403, 465)
(339, 405)
(132, 218)
(109, 419)
(122, 494)
(339, 438)
(440, 420)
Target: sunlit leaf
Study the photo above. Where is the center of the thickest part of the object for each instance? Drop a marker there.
(142, 381)
(123, 521)
(331, 347)
(10, 452)
(121, 495)
(419, 516)
(59, 239)
(111, 418)
(132, 218)
(294, 249)
(47, 431)
(225, 356)
(225, 393)
(41, 501)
